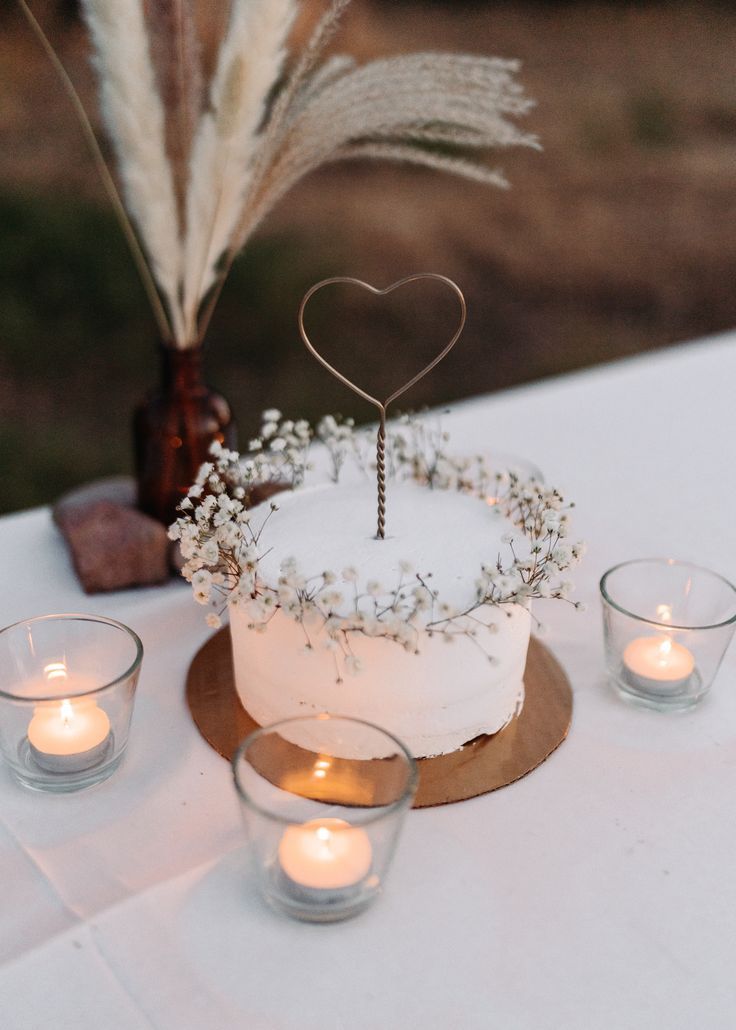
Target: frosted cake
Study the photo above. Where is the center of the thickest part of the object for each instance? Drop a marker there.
(424, 633)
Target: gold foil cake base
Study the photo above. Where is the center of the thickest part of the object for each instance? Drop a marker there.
(482, 765)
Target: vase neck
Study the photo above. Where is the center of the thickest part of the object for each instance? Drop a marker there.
(181, 369)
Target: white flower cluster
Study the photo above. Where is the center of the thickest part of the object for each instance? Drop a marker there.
(319, 605)
(216, 536)
(221, 544)
(417, 449)
(541, 516)
(280, 453)
(341, 442)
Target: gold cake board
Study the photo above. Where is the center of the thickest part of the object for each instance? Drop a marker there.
(483, 765)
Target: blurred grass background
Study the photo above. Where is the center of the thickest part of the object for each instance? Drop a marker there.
(619, 237)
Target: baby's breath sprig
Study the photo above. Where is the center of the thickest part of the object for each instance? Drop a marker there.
(341, 441)
(279, 454)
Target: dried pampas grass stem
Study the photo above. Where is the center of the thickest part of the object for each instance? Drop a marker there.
(107, 180)
(250, 61)
(175, 52)
(134, 115)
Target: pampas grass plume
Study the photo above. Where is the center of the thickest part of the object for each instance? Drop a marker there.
(200, 174)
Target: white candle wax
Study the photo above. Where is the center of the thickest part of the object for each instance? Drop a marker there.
(658, 664)
(325, 855)
(68, 735)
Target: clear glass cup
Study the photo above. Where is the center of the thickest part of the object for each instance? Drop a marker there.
(67, 684)
(667, 625)
(323, 799)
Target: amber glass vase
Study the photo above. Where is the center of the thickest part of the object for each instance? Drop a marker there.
(173, 429)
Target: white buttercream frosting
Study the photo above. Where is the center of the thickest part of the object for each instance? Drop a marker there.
(447, 534)
(436, 700)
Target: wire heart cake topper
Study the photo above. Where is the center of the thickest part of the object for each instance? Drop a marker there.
(382, 405)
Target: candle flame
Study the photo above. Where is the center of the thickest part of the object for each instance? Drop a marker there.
(491, 501)
(66, 712)
(323, 833)
(664, 651)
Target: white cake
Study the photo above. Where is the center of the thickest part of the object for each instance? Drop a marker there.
(435, 700)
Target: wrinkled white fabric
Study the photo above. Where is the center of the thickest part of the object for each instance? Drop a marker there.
(597, 892)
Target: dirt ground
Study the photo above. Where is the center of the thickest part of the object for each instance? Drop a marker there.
(617, 237)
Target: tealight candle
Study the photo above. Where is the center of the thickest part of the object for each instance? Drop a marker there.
(324, 859)
(68, 736)
(666, 627)
(658, 664)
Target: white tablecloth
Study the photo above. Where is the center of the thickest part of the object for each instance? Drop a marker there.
(599, 892)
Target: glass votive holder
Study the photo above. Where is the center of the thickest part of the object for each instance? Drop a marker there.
(323, 799)
(66, 698)
(666, 625)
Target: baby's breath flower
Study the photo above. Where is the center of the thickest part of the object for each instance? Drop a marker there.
(422, 598)
(228, 535)
(327, 425)
(202, 579)
(210, 552)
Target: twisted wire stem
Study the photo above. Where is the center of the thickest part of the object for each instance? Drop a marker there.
(381, 475)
